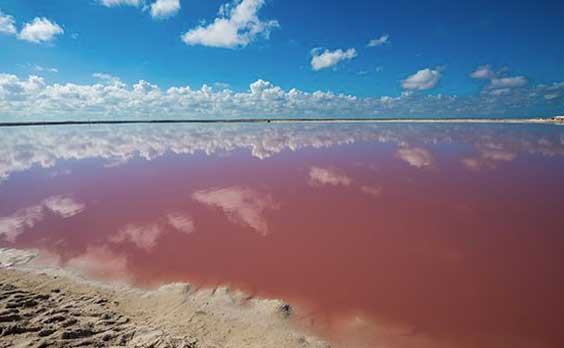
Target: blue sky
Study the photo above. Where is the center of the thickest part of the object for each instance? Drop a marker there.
(421, 51)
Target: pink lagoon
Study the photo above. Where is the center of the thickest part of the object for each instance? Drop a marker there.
(389, 235)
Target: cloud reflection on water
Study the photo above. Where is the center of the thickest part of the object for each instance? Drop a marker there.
(241, 205)
(13, 225)
(23, 148)
(415, 156)
(328, 176)
(400, 243)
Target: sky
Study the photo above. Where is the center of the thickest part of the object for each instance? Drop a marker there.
(73, 59)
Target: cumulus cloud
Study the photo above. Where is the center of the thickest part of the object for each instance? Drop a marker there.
(7, 24)
(382, 40)
(113, 3)
(328, 176)
(415, 156)
(242, 206)
(422, 80)
(483, 72)
(40, 30)
(327, 59)
(13, 225)
(165, 8)
(238, 25)
(33, 98)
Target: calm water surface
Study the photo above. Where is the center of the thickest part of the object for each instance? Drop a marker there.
(380, 235)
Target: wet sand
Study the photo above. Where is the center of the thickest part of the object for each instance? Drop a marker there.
(55, 308)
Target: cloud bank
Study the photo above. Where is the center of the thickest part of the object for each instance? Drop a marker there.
(33, 98)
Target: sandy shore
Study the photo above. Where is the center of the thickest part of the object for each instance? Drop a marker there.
(50, 307)
(539, 120)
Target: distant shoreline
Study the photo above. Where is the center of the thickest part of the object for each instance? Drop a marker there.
(552, 120)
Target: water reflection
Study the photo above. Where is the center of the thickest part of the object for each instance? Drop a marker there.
(13, 225)
(328, 176)
(397, 235)
(23, 148)
(243, 206)
(415, 156)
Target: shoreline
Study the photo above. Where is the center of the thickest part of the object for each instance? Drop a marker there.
(558, 120)
(49, 306)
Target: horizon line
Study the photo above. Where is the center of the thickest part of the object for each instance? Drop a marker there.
(541, 120)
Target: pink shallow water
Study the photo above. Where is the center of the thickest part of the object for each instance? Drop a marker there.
(427, 236)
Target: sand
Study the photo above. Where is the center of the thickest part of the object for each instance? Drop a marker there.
(559, 120)
(51, 307)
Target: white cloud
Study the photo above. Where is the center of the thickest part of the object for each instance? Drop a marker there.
(415, 156)
(328, 176)
(112, 3)
(32, 98)
(243, 206)
(107, 78)
(40, 30)
(165, 8)
(483, 72)
(499, 86)
(553, 92)
(509, 82)
(327, 59)
(7, 24)
(237, 26)
(422, 80)
(504, 87)
(382, 40)
(45, 69)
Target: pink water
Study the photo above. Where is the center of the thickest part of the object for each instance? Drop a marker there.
(380, 236)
